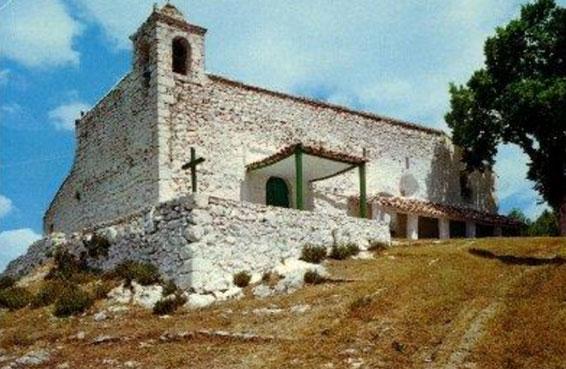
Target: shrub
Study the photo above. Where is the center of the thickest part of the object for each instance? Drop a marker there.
(266, 277)
(341, 252)
(141, 272)
(313, 254)
(70, 268)
(101, 289)
(353, 249)
(312, 277)
(72, 301)
(14, 298)
(48, 293)
(168, 305)
(165, 306)
(6, 282)
(97, 246)
(242, 279)
(169, 288)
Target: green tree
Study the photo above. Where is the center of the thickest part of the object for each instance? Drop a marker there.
(545, 225)
(518, 215)
(519, 97)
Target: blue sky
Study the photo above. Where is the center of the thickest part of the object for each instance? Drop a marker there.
(396, 58)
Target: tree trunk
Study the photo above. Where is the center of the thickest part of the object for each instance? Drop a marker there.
(562, 217)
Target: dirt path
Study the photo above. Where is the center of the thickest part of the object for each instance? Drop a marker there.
(458, 346)
(471, 336)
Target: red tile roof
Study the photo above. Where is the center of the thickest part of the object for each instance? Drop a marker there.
(436, 210)
(309, 150)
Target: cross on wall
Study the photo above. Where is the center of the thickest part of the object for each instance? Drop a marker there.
(193, 166)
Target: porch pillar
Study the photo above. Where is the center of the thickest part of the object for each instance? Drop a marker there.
(443, 228)
(363, 194)
(299, 177)
(470, 229)
(412, 226)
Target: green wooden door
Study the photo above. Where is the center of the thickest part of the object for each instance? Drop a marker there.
(277, 193)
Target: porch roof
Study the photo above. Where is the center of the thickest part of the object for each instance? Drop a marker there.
(437, 210)
(319, 163)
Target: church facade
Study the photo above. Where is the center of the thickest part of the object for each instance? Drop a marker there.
(259, 146)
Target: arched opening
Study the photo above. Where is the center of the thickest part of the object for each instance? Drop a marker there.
(143, 63)
(180, 55)
(277, 192)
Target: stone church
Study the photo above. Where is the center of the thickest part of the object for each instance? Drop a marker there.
(204, 176)
(260, 147)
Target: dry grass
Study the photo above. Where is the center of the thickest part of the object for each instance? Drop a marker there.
(430, 305)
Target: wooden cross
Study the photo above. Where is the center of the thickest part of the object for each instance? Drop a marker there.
(193, 165)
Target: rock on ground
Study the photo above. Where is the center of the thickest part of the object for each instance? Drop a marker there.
(33, 358)
(195, 300)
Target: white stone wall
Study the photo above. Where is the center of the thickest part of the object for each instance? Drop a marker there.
(132, 144)
(201, 243)
(231, 125)
(115, 166)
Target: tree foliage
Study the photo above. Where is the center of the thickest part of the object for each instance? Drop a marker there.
(545, 225)
(519, 97)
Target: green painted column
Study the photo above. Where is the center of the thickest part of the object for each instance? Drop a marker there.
(299, 177)
(363, 194)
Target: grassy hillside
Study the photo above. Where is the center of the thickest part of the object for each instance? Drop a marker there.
(426, 305)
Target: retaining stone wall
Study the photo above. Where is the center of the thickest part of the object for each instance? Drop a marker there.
(202, 242)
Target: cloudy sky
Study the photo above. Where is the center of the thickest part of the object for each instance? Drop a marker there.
(393, 57)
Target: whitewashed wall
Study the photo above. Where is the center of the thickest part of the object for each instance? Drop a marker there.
(132, 144)
(202, 242)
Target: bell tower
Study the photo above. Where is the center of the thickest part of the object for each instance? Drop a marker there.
(167, 47)
(168, 51)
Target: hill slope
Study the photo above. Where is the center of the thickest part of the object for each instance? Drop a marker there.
(427, 305)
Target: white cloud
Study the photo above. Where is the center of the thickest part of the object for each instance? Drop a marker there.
(63, 117)
(14, 243)
(5, 206)
(119, 19)
(38, 34)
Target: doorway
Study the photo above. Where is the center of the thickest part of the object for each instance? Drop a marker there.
(277, 192)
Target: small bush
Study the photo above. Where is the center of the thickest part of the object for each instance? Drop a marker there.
(141, 272)
(266, 277)
(168, 305)
(169, 288)
(313, 254)
(312, 277)
(70, 268)
(72, 301)
(242, 279)
(353, 249)
(6, 282)
(101, 289)
(97, 246)
(48, 293)
(341, 252)
(15, 298)
(164, 307)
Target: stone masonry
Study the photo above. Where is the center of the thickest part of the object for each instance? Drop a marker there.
(132, 144)
(201, 242)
